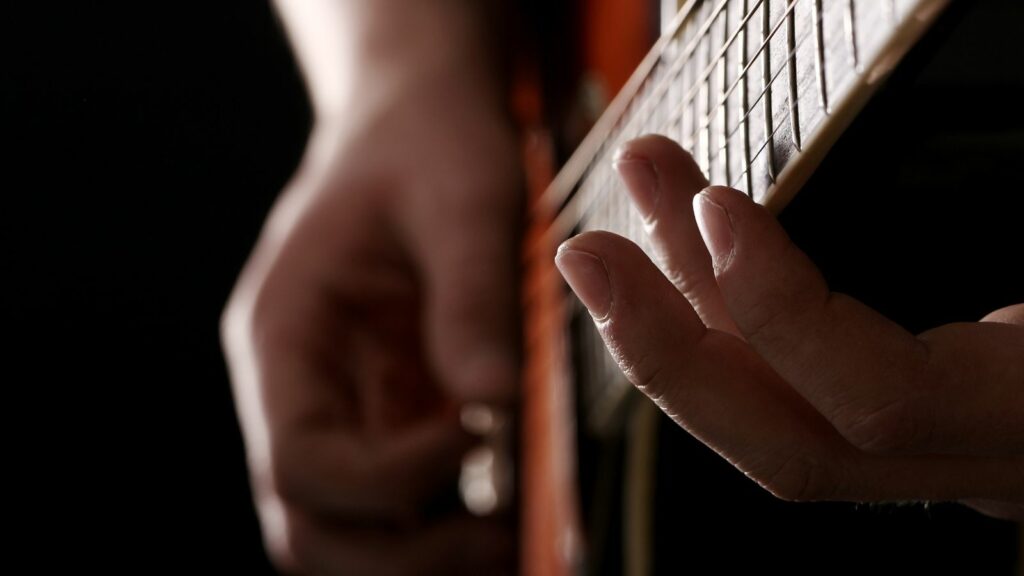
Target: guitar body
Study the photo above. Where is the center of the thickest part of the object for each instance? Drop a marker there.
(914, 205)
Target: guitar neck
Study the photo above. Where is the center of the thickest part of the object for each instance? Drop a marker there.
(756, 90)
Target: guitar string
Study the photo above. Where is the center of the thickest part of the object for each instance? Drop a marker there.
(662, 90)
(678, 65)
(704, 86)
(741, 77)
(599, 192)
(602, 199)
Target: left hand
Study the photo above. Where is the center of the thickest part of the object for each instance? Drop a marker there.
(808, 392)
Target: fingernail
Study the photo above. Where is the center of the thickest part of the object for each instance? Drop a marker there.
(588, 278)
(716, 229)
(641, 181)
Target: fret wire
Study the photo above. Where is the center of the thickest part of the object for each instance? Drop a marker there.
(759, 52)
(688, 117)
(760, 95)
(766, 72)
(849, 24)
(684, 58)
(723, 126)
(728, 43)
(794, 104)
(595, 202)
(705, 90)
(672, 75)
(741, 80)
(743, 105)
(753, 106)
(764, 147)
(761, 149)
(819, 48)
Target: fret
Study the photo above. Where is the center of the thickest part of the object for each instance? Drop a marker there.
(742, 66)
(731, 102)
(723, 104)
(606, 219)
(704, 103)
(819, 59)
(671, 128)
(665, 102)
(810, 111)
(850, 27)
(838, 57)
(688, 108)
(766, 84)
(794, 100)
(872, 30)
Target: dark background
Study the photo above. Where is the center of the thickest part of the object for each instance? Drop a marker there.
(142, 145)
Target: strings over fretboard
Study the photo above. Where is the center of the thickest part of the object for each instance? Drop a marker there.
(756, 90)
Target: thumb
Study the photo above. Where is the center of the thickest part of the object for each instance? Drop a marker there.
(469, 266)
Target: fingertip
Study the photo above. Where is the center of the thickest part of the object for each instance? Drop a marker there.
(716, 229)
(587, 275)
(726, 196)
(647, 147)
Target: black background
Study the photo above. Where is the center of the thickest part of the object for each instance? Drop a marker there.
(142, 145)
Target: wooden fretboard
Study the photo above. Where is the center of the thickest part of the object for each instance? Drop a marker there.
(757, 90)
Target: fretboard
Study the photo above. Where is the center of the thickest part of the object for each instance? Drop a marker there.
(756, 90)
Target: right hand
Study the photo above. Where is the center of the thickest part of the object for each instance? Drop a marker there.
(380, 297)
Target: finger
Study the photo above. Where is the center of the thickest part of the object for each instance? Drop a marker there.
(720, 390)
(883, 389)
(456, 546)
(390, 479)
(1003, 510)
(662, 179)
(470, 270)
(308, 441)
(708, 381)
(1009, 315)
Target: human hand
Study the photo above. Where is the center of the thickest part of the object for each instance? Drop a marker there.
(380, 297)
(808, 392)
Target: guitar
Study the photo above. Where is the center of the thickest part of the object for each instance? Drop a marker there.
(758, 91)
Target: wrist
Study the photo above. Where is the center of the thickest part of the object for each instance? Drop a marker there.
(365, 49)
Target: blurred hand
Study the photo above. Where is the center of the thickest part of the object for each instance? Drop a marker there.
(808, 392)
(380, 297)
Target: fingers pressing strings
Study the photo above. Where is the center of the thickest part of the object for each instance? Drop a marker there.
(820, 396)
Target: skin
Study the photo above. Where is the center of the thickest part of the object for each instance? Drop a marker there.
(808, 392)
(380, 297)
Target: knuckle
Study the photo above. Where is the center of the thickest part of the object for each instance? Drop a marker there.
(648, 374)
(289, 470)
(764, 318)
(891, 427)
